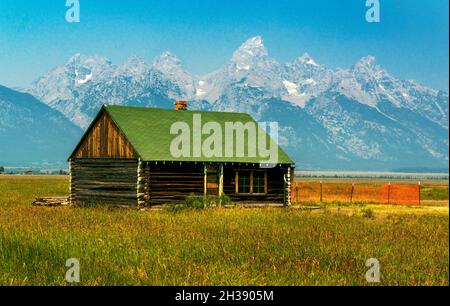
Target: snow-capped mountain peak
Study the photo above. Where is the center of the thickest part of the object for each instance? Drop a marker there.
(77, 57)
(171, 68)
(134, 61)
(366, 61)
(305, 59)
(368, 68)
(167, 61)
(253, 43)
(133, 66)
(249, 53)
(83, 69)
(310, 79)
(81, 59)
(250, 68)
(83, 65)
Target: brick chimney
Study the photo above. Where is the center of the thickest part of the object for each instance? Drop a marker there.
(180, 105)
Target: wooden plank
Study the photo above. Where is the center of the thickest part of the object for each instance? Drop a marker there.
(220, 179)
(86, 192)
(103, 160)
(265, 182)
(51, 201)
(205, 178)
(105, 140)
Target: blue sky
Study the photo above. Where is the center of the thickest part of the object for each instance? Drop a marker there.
(411, 41)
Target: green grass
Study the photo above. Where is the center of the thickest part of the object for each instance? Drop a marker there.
(218, 246)
(434, 193)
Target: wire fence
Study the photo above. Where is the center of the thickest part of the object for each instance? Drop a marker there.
(400, 194)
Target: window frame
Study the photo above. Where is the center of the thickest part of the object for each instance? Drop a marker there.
(251, 182)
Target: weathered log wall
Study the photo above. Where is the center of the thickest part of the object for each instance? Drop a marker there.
(171, 183)
(274, 185)
(109, 181)
(132, 182)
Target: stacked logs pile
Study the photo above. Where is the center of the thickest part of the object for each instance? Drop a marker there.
(51, 201)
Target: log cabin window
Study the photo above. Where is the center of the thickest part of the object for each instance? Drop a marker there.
(244, 179)
(251, 182)
(259, 182)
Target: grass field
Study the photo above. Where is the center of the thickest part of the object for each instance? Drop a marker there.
(219, 246)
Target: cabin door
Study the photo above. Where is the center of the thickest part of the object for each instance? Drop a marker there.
(212, 180)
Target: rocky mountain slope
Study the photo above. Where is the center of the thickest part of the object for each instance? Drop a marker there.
(32, 132)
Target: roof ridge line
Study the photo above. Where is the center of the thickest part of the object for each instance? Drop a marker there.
(173, 110)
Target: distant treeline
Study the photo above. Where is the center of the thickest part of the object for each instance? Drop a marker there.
(21, 170)
(373, 175)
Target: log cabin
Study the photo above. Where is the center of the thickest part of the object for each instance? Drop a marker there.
(127, 156)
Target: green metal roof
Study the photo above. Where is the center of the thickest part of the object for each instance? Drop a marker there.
(148, 130)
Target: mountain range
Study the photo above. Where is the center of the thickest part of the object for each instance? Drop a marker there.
(359, 118)
(31, 133)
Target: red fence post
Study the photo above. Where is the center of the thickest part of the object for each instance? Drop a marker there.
(351, 193)
(419, 193)
(389, 193)
(321, 192)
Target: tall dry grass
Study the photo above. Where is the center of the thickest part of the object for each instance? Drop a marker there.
(215, 246)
